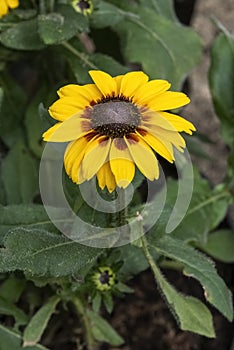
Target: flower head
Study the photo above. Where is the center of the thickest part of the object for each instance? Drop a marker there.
(5, 5)
(104, 279)
(83, 6)
(116, 124)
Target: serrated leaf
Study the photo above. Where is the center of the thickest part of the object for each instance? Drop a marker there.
(164, 49)
(12, 340)
(221, 80)
(55, 28)
(198, 266)
(35, 328)
(20, 175)
(220, 245)
(23, 36)
(44, 254)
(103, 331)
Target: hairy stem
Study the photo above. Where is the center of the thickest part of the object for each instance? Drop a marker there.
(80, 308)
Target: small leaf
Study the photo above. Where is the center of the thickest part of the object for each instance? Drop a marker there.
(22, 36)
(108, 302)
(103, 331)
(106, 15)
(35, 328)
(12, 340)
(221, 79)
(12, 288)
(200, 267)
(220, 245)
(8, 308)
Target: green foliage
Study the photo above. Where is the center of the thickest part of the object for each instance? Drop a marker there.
(45, 45)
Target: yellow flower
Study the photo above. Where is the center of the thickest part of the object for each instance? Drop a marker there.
(104, 279)
(114, 125)
(5, 5)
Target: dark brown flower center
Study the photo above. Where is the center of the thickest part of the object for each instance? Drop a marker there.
(115, 118)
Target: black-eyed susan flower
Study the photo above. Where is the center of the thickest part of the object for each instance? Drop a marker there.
(83, 6)
(6, 5)
(104, 278)
(116, 124)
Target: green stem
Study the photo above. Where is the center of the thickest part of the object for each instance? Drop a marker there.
(80, 55)
(90, 341)
(170, 264)
(150, 259)
(122, 214)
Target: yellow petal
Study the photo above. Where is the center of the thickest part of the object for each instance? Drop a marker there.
(106, 178)
(71, 129)
(13, 3)
(169, 136)
(3, 8)
(131, 82)
(157, 145)
(121, 163)
(143, 156)
(180, 124)
(105, 83)
(152, 118)
(65, 107)
(168, 100)
(95, 156)
(118, 80)
(73, 157)
(149, 90)
(88, 93)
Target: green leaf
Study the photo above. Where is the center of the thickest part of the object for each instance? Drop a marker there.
(207, 209)
(12, 288)
(12, 340)
(35, 328)
(34, 125)
(55, 28)
(220, 245)
(22, 36)
(44, 254)
(165, 49)
(199, 266)
(20, 175)
(164, 8)
(26, 216)
(106, 15)
(8, 308)
(82, 64)
(108, 302)
(103, 331)
(221, 79)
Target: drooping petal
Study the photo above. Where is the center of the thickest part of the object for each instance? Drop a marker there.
(152, 118)
(179, 123)
(169, 136)
(131, 82)
(121, 163)
(73, 157)
(168, 100)
(106, 178)
(149, 90)
(95, 156)
(88, 92)
(157, 145)
(71, 129)
(105, 83)
(143, 156)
